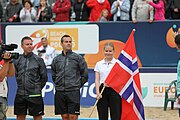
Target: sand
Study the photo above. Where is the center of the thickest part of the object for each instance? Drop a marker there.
(151, 113)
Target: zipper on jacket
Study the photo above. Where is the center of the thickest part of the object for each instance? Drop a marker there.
(64, 69)
(25, 68)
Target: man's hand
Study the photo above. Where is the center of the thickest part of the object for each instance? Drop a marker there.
(6, 56)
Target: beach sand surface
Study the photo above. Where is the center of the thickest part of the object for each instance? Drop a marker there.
(151, 113)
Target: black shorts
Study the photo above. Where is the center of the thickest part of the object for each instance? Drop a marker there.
(67, 102)
(24, 105)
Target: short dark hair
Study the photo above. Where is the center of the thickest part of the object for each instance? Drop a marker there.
(177, 39)
(64, 37)
(44, 38)
(25, 38)
(28, 1)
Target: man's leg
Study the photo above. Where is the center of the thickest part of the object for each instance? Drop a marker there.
(3, 108)
(20, 109)
(69, 117)
(73, 100)
(65, 116)
(39, 117)
(36, 107)
(21, 117)
(73, 117)
(60, 105)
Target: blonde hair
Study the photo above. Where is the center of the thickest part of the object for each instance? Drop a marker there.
(109, 44)
(104, 10)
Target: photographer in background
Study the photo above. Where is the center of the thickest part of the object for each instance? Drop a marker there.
(46, 52)
(6, 69)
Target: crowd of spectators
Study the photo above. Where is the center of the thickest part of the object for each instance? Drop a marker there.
(88, 10)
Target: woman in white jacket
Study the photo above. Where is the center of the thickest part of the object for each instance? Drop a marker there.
(28, 13)
(120, 10)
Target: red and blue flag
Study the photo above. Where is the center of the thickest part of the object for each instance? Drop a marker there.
(124, 79)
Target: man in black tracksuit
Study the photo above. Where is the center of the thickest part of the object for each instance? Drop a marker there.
(31, 77)
(69, 73)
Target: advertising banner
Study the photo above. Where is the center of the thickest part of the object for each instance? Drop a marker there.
(82, 40)
(153, 89)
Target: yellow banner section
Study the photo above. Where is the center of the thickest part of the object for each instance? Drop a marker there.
(55, 34)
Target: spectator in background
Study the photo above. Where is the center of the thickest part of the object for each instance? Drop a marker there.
(81, 10)
(159, 9)
(46, 52)
(175, 8)
(12, 11)
(1, 12)
(111, 2)
(44, 12)
(96, 7)
(4, 3)
(120, 10)
(62, 10)
(28, 13)
(50, 2)
(130, 11)
(168, 9)
(36, 3)
(142, 11)
(72, 13)
(104, 15)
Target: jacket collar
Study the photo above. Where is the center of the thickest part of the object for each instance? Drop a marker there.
(28, 55)
(67, 53)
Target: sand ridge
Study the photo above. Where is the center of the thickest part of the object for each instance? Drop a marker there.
(151, 113)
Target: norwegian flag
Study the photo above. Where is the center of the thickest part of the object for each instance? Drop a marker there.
(124, 79)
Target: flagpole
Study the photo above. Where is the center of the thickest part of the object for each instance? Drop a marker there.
(96, 101)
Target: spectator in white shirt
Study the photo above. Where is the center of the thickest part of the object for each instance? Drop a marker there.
(28, 13)
(46, 52)
(120, 10)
